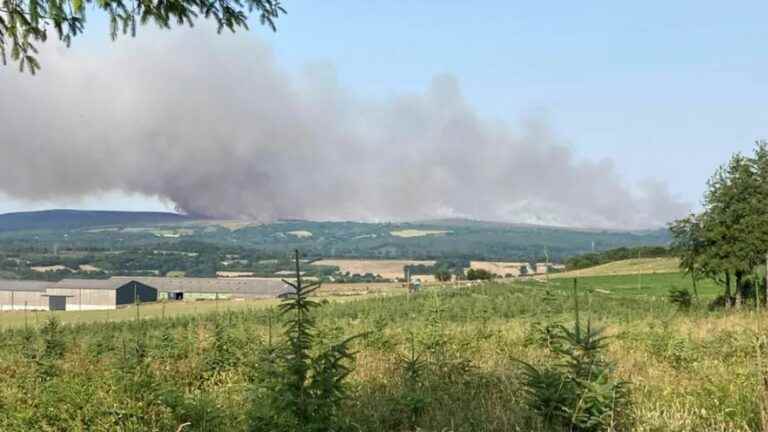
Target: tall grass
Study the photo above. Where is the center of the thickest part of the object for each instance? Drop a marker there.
(435, 361)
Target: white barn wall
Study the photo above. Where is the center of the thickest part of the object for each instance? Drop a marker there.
(86, 299)
(15, 300)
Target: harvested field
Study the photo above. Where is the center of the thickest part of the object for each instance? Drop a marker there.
(53, 268)
(389, 269)
(89, 268)
(300, 234)
(408, 233)
(229, 274)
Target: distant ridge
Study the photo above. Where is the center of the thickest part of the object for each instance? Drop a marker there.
(74, 219)
(472, 223)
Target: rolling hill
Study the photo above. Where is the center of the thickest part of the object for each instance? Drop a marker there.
(75, 219)
(427, 240)
(626, 267)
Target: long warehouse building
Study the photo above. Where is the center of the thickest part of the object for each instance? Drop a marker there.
(190, 288)
(103, 294)
(73, 294)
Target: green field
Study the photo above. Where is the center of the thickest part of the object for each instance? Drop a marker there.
(202, 363)
(650, 284)
(627, 266)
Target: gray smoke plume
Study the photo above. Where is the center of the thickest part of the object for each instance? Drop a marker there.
(213, 125)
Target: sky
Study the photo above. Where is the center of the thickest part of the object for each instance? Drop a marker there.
(663, 90)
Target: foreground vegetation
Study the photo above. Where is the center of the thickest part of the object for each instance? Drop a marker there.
(447, 360)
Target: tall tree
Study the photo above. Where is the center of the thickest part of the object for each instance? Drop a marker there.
(24, 23)
(688, 241)
(729, 225)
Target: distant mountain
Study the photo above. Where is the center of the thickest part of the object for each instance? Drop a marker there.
(74, 219)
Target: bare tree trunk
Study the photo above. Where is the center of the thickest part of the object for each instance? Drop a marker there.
(739, 289)
(727, 294)
(764, 283)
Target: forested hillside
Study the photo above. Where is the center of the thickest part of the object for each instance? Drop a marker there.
(109, 231)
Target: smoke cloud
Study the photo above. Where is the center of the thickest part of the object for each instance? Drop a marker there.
(213, 125)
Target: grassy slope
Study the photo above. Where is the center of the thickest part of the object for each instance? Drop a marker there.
(624, 267)
(648, 284)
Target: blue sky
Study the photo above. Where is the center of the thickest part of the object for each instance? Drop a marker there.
(667, 90)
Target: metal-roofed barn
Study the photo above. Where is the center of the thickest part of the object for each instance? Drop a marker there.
(21, 295)
(98, 294)
(246, 288)
(102, 294)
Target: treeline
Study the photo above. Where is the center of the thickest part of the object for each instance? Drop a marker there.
(728, 241)
(192, 258)
(618, 254)
(443, 270)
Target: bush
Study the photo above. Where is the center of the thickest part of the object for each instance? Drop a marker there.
(443, 275)
(479, 274)
(577, 391)
(681, 297)
(303, 388)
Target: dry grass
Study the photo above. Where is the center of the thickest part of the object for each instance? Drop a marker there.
(89, 268)
(231, 274)
(627, 267)
(346, 289)
(389, 269)
(43, 269)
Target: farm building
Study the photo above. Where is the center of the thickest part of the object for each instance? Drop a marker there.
(191, 288)
(73, 294)
(101, 294)
(21, 295)
(97, 294)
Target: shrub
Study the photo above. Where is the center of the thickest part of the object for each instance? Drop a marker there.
(577, 391)
(680, 297)
(479, 274)
(443, 275)
(303, 388)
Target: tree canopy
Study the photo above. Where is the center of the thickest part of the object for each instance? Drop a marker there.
(729, 238)
(25, 23)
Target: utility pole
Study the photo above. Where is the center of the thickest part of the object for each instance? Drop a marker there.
(407, 278)
(761, 386)
(639, 272)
